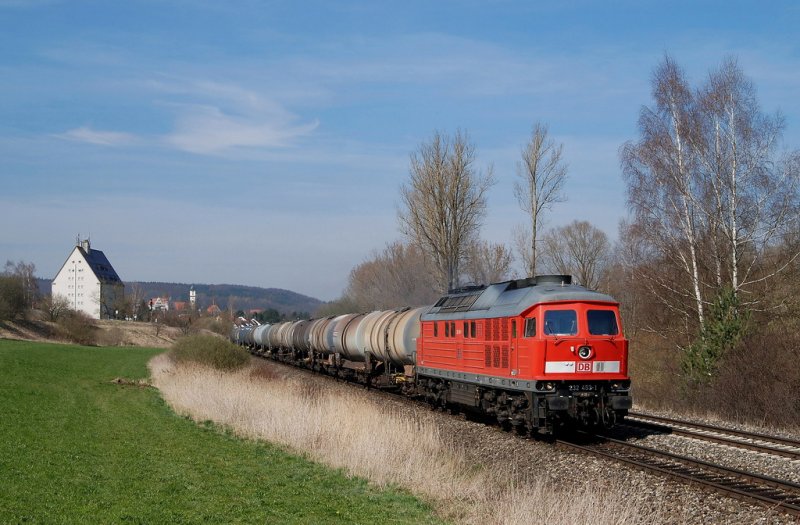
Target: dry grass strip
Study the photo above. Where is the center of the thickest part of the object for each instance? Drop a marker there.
(341, 428)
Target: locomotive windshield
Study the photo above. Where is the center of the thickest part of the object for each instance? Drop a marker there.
(602, 322)
(560, 322)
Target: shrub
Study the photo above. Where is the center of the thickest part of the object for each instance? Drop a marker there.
(758, 381)
(113, 336)
(214, 325)
(12, 297)
(210, 351)
(183, 321)
(77, 327)
(54, 307)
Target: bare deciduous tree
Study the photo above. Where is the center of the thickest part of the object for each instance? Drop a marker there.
(54, 306)
(578, 249)
(543, 173)
(26, 272)
(444, 203)
(397, 276)
(487, 262)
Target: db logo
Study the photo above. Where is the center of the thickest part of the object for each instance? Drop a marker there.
(583, 366)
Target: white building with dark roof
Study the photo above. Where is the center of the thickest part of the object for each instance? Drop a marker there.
(89, 282)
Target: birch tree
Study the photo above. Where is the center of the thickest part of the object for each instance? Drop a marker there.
(543, 174)
(444, 202)
(711, 197)
(662, 185)
(750, 192)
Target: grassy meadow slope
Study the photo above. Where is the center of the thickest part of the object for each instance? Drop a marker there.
(76, 446)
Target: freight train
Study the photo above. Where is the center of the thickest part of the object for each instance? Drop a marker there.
(538, 354)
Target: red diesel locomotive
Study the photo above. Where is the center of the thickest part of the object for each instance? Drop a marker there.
(537, 354)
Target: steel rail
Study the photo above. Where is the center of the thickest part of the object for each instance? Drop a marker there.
(716, 438)
(787, 442)
(747, 486)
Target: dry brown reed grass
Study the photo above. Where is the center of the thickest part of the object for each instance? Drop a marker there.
(342, 428)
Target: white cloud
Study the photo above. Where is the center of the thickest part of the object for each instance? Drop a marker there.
(216, 117)
(209, 130)
(101, 138)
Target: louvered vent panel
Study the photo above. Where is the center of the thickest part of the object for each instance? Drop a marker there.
(505, 357)
(496, 329)
(488, 361)
(504, 336)
(496, 356)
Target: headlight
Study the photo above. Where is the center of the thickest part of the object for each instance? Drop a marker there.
(546, 386)
(585, 352)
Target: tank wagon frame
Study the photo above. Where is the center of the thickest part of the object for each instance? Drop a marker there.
(536, 354)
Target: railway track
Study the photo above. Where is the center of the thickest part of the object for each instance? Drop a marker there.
(746, 486)
(762, 443)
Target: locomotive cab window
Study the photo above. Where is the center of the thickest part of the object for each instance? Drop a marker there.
(602, 322)
(513, 328)
(447, 329)
(560, 322)
(530, 327)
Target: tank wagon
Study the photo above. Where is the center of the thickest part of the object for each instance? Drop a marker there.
(537, 354)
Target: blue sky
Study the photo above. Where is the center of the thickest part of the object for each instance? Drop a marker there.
(264, 143)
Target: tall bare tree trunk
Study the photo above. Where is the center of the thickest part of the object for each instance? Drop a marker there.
(543, 175)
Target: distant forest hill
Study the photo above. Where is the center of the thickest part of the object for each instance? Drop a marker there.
(243, 298)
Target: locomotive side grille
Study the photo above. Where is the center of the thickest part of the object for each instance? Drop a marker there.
(496, 356)
(488, 357)
(504, 336)
(495, 329)
(505, 357)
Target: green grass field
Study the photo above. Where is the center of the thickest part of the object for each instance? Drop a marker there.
(76, 448)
